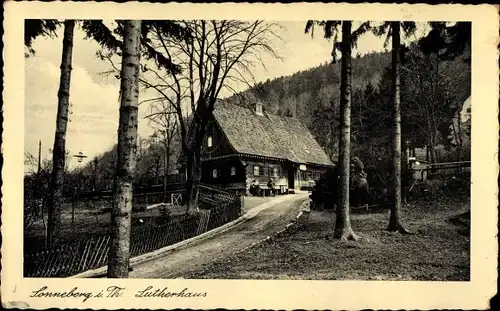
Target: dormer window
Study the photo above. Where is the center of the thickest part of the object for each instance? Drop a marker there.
(209, 141)
(258, 109)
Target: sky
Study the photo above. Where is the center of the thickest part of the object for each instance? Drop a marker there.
(94, 96)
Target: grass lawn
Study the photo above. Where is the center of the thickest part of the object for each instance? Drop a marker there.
(439, 249)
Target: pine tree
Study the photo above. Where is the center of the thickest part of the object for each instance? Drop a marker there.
(343, 229)
(393, 30)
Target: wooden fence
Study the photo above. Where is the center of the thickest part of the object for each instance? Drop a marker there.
(433, 169)
(210, 194)
(79, 256)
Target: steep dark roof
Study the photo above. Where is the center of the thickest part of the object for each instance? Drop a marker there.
(268, 135)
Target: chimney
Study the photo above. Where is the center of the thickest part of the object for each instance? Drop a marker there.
(257, 108)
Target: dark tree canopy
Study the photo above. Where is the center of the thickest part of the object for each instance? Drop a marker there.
(111, 39)
(331, 31)
(447, 41)
(38, 27)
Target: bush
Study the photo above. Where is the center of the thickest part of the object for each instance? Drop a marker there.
(165, 215)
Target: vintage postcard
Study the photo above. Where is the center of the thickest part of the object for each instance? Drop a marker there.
(249, 156)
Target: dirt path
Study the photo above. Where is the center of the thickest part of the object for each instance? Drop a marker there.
(180, 262)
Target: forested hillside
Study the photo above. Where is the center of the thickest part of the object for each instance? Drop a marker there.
(432, 93)
(315, 86)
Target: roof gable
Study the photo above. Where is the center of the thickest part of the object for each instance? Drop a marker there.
(268, 135)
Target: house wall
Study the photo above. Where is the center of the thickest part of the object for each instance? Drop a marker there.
(220, 145)
(309, 177)
(417, 171)
(305, 178)
(228, 173)
(238, 174)
(266, 170)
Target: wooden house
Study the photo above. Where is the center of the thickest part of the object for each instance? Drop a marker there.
(244, 143)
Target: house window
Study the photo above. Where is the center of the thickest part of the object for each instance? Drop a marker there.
(275, 172)
(233, 171)
(214, 173)
(259, 109)
(209, 141)
(256, 171)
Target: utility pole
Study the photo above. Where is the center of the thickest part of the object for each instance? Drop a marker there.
(38, 185)
(94, 182)
(39, 156)
(165, 171)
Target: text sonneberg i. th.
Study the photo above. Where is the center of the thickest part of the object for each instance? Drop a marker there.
(116, 292)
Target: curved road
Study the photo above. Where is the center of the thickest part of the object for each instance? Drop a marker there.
(181, 261)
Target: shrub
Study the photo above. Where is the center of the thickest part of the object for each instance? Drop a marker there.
(165, 215)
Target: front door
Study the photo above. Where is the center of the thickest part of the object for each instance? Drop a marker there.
(291, 178)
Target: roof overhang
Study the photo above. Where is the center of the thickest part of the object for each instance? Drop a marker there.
(265, 158)
(321, 165)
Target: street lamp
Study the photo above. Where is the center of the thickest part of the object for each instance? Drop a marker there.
(80, 156)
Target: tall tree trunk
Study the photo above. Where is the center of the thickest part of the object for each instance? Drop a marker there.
(157, 170)
(395, 222)
(432, 151)
(167, 157)
(459, 130)
(39, 169)
(188, 185)
(193, 181)
(165, 172)
(433, 155)
(59, 151)
(119, 252)
(343, 229)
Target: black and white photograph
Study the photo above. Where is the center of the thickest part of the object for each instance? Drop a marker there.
(247, 149)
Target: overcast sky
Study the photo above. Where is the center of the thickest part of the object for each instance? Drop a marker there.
(94, 97)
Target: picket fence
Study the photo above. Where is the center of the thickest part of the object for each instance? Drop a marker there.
(72, 258)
